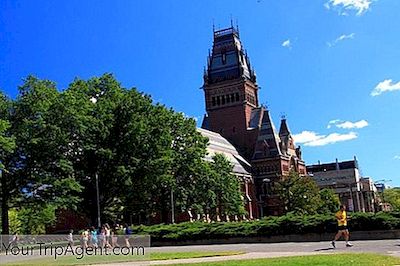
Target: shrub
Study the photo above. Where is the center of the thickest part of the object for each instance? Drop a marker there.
(268, 226)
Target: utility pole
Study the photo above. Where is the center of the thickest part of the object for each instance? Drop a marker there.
(98, 201)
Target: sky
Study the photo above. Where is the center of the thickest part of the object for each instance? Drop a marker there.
(332, 67)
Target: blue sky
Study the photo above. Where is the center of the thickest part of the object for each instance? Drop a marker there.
(317, 61)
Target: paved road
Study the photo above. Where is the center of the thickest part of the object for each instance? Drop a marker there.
(390, 247)
(270, 250)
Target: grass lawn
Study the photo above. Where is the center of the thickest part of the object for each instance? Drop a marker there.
(69, 260)
(328, 260)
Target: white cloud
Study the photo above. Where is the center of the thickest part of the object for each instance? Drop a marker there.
(347, 124)
(287, 44)
(306, 136)
(341, 38)
(360, 6)
(309, 138)
(334, 121)
(385, 86)
(397, 157)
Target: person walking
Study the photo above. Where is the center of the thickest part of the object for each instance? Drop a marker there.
(93, 237)
(127, 232)
(108, 235)
(85, 238)
(71, 238)
(341, 217)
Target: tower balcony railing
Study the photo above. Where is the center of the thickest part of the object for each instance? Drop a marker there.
(224, 32)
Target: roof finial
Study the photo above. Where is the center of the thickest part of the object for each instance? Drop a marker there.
(213, 23)
(237, 26)
(231, 22)
(283, 116)
(265, 105)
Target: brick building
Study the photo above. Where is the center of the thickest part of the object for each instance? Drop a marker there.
(233, 110)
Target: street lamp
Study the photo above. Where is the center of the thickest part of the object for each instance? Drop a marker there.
(172, 206)
(93, 99)
(98, 200)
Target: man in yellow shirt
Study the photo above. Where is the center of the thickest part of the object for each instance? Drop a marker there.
(341, 217)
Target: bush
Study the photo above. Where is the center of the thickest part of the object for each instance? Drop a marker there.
(268, 226)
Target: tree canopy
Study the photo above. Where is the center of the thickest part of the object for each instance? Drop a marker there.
(392, 196)
(54, 143)
(302, 195)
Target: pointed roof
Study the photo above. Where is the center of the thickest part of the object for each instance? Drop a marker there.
(255, 117)
(206, 123)
(267, 145)
(284, 129)
(228, 59)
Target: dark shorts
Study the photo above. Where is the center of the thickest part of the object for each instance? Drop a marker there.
(342, 227)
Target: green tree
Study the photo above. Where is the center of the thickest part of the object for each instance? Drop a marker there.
(392, 196)
(142, 153)
(329, 201)
(216, 190)
(229, 198)
(7, 146)
(140, 150)
(32, 220)
(38, 170)
(299, 194)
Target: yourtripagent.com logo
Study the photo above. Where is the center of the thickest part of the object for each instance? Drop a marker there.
(40, 249)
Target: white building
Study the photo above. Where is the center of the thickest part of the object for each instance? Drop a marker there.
(354, 191)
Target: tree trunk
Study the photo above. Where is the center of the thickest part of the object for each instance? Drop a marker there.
(4, 205)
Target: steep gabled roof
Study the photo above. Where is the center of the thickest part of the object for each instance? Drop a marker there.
(255, 117)
(267, 145)
(284, 129)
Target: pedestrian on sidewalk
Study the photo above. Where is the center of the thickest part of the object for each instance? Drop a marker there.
(71, 238)
(341, 217)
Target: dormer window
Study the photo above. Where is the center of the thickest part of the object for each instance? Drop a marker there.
(223, 57)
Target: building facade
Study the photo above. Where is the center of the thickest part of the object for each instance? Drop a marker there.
(241, 169)
(233, 110)
(354, 191)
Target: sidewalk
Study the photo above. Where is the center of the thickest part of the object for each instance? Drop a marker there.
(260, 251)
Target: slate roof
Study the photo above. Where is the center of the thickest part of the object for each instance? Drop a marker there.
(268, 140)
(218, 144)
(228, 59)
